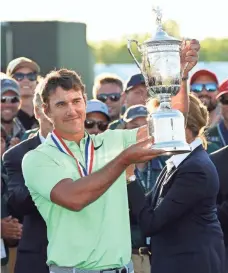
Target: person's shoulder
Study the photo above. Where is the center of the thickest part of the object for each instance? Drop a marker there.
(198, 160)
(221, 153)
(34, 156)
(212, 147)
(30, 132)
(20, 149)
(108, 135)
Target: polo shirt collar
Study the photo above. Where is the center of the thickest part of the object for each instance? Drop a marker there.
(70, 144)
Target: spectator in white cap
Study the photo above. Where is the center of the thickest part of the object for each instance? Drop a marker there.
(97, 117)
(25, 72)
(10, 102)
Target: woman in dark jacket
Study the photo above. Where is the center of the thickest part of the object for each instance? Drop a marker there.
(180, 215)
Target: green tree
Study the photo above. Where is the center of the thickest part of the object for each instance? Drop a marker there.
(116, 51)
(172, 28)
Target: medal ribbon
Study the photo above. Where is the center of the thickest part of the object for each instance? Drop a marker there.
(89, 153)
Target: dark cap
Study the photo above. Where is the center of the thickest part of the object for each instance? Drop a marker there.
(135, 111)
(134, 80)
(9, 84)
(203, 72)
(223, 89)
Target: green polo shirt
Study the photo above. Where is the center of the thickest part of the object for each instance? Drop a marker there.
(98, 236)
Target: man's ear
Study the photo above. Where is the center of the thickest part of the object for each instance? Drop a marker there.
(45, 108)
(37, 112)
(123, 98)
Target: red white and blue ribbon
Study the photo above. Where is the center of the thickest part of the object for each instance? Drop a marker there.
(89, 153)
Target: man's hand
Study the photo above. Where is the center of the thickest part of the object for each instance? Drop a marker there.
(140, 152)
(189, 55)
(11, 228)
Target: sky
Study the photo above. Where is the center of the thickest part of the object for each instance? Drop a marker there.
(108, 19)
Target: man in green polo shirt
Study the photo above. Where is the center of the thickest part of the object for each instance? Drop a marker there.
(87, 220)
(71, 180)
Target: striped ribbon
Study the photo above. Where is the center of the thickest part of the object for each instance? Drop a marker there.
(89, 153)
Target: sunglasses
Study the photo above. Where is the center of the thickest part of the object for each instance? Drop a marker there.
(198, 87)
(10, 99)
(101, 125)
(112, 97)
(30, 76)
(223, 100)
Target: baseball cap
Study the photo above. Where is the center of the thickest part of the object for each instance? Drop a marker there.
(223, 89)
(22, 62)
(135, 111)
(203, 72)
(97, 106)
(134, 80)
(8, 84)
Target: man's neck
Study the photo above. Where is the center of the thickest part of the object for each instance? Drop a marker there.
(72, 137)
(43, 132)
(27, 106)
(8, 127)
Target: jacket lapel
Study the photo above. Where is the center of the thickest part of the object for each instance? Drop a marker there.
(158, 184)
(163, 180)
(34, 142)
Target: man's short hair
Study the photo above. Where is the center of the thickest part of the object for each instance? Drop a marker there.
(64, 78)
(106, 78)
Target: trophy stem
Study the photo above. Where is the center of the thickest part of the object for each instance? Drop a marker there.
(165, 102)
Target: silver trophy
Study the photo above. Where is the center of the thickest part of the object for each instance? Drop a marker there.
(161, 68)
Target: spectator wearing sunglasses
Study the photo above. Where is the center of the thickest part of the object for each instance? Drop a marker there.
(135, 93)
(219, 133)
(204, 84)
(10, 102)
(108, 88)
(97, 117)
(25, 72)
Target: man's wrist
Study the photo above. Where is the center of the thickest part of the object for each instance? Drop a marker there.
(123, 159)
(184, 78)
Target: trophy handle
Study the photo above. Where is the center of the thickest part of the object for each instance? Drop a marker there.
(129, 49)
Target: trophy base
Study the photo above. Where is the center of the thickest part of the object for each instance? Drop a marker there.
(172, 147)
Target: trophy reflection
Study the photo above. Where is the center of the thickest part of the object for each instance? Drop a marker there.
(161, 69)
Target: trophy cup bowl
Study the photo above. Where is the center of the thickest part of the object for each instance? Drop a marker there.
(161, 69)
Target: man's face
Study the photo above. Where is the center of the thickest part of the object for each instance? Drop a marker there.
(208, 98)
(96, 123)
(27, 80)
(136, 123)
(136, 95)
(67, 111)
(224, 107)
(112, 98)
(9, 106)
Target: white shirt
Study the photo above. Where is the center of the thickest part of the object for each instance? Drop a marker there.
(176, 160)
